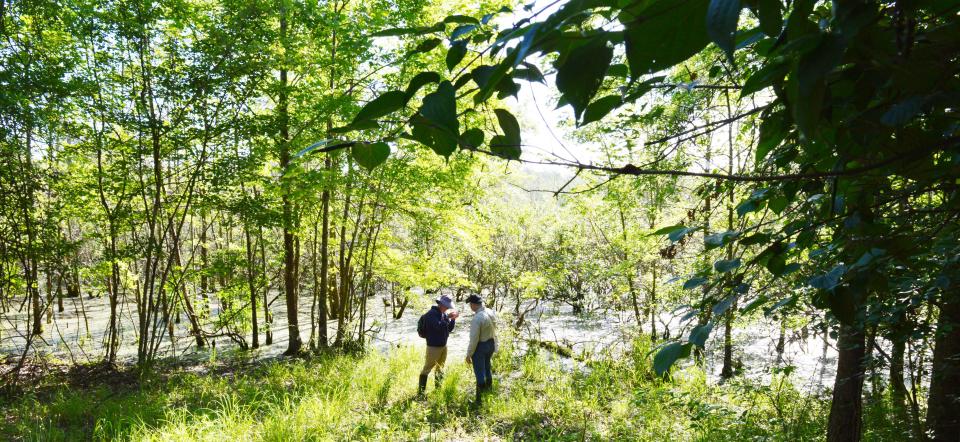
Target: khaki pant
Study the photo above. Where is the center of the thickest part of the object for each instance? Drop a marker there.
(435, 357)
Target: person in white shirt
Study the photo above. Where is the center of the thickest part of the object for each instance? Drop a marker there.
(483, 331)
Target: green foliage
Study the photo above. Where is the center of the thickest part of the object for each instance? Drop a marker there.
(370, 155)
(384, 104)
(581, 72)
(655, 40)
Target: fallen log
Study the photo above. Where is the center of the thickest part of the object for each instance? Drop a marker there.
(558, 349)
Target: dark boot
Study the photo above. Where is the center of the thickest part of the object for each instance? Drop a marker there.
(479, 398)
(437, 378)
(423, 385)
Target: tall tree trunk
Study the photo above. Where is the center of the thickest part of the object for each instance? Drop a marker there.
(943, 402)
(324, 258)
(267, 316)
(898, 390)
(727, 371)
(781, 340)
(315, 285)
(631, 267)
(185, 297)
(344, 275)
(846, 409)
(289, 260)
(204, 264)
(31, 259)
(251, 285)
(652, 302)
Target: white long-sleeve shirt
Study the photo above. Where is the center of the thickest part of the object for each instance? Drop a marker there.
(482, 328)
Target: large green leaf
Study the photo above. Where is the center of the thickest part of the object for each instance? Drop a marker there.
(810, 88)
(770, 16)
(756, 238)
(427, 133)
(776, 264)
(830, 280)
(455, 54)
(471, 138)
(669, 354)
(462, 19)
(659, 34)
(436, 124)
(426, 46)
(421, 30)
(763, 78)
(580, 74)
(509, 126)
(722, 18)
(724, 305)
(600, 108)
(699, 334)
(719, 239)
(771, 134)
(726, 265)
(503, 148)
(370, 155)
(693, 283)
(668, 229)
(380, 106)
(747, 207)
(461, 30)
(419, 81)
(440, 108)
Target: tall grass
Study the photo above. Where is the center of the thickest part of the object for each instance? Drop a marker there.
(372, 397)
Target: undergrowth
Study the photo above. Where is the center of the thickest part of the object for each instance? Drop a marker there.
(371, 396)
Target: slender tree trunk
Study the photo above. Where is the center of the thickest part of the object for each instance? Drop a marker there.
(324, 258)
(59, 291)
(315, 286)
(727, 371)
(630, 269)
(49, 286)
(343, 271)
(781, 341)
(876, 384)
(898, 390)
(846, 409)
(251, 285)
(195, 329)
(289, 258)
(31, 259)
(943, 402)
(204, 264)
(267, 316)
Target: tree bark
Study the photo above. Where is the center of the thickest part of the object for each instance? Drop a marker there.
(943, 402)
(324, 260)
(251, 286)
(846, 409)
(289, 259)
(898, 391)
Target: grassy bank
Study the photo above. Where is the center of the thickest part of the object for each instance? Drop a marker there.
(371, 396)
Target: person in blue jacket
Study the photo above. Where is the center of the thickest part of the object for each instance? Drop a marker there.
(437, 324)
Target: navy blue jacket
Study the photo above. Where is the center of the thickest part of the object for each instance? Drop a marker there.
(438, 327)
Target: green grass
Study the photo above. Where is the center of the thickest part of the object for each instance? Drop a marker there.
(371, 397)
